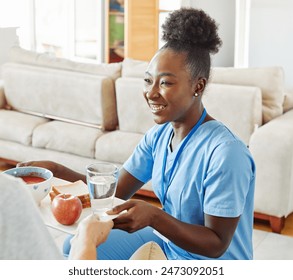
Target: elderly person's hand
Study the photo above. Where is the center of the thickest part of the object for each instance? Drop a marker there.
(91, 232)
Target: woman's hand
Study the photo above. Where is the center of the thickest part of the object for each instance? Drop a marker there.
(139, 214)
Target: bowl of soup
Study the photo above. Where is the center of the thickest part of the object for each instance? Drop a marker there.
(36, 179)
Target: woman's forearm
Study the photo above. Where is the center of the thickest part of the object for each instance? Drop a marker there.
(196, 239)
(58, 170)
(68, 174)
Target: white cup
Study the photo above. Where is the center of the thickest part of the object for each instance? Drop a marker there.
(102, 180)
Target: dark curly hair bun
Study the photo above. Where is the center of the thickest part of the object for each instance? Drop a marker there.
(191, 28)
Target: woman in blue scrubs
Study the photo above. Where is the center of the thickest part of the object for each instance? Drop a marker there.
(202, 173)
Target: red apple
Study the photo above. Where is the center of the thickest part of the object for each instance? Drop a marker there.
(66, 208)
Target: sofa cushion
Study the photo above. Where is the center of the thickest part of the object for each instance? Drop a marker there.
(20, 55)
(133, 68)
(269, 79)
(18, 127)
(116, 146)
(54, 93)
(133, 112)
(238, 107)
(18, 152)
(66, 137)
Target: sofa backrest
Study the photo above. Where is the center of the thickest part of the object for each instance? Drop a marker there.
(59, 94)
(23, 56)
(238, 107)
(269, 79)
(133, 112)
(133, 68)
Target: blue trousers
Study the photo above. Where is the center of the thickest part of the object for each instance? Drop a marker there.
(120, 245)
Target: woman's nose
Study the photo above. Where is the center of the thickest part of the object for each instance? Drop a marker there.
(151, 92)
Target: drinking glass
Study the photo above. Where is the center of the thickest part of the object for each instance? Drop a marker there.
(102, 180)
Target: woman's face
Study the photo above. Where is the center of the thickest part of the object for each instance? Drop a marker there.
(168, 88)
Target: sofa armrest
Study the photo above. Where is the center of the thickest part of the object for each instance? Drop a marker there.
(2, 95)
(271, 147)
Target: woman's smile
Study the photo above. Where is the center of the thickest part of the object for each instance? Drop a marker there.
(156, 108)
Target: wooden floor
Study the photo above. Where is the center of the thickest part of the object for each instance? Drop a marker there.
(261, 225)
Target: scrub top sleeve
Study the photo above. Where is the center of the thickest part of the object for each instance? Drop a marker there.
(228, 180)
(140, 163)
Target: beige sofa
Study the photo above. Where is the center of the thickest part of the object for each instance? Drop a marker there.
(76, 114)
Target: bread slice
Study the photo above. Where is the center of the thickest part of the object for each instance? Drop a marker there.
(78, 188)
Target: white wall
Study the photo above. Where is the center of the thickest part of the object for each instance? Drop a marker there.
(8, 39)
(223, 11)
(271, 35)
(17, 13)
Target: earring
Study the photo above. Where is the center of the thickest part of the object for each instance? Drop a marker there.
(196, 94)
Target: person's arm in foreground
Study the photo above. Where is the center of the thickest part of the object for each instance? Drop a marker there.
(90, 233)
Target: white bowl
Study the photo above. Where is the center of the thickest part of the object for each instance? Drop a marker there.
(39, 190)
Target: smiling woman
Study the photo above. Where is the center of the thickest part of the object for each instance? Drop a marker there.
(202, 173)
(186, 156)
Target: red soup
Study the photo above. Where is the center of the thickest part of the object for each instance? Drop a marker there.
(32, 179)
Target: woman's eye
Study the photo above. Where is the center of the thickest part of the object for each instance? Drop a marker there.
(166, 83)
(147, 81)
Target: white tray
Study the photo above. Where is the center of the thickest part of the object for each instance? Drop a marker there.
(78, 187)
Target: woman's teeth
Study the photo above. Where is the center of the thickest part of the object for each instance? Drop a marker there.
(156, 108)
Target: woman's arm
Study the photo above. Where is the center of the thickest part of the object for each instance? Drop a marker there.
(210, 240)
(58, 170)
(127, 185)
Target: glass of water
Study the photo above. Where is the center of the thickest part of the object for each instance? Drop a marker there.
(102, 180)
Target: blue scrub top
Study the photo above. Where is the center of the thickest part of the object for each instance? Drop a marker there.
(214, 174)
